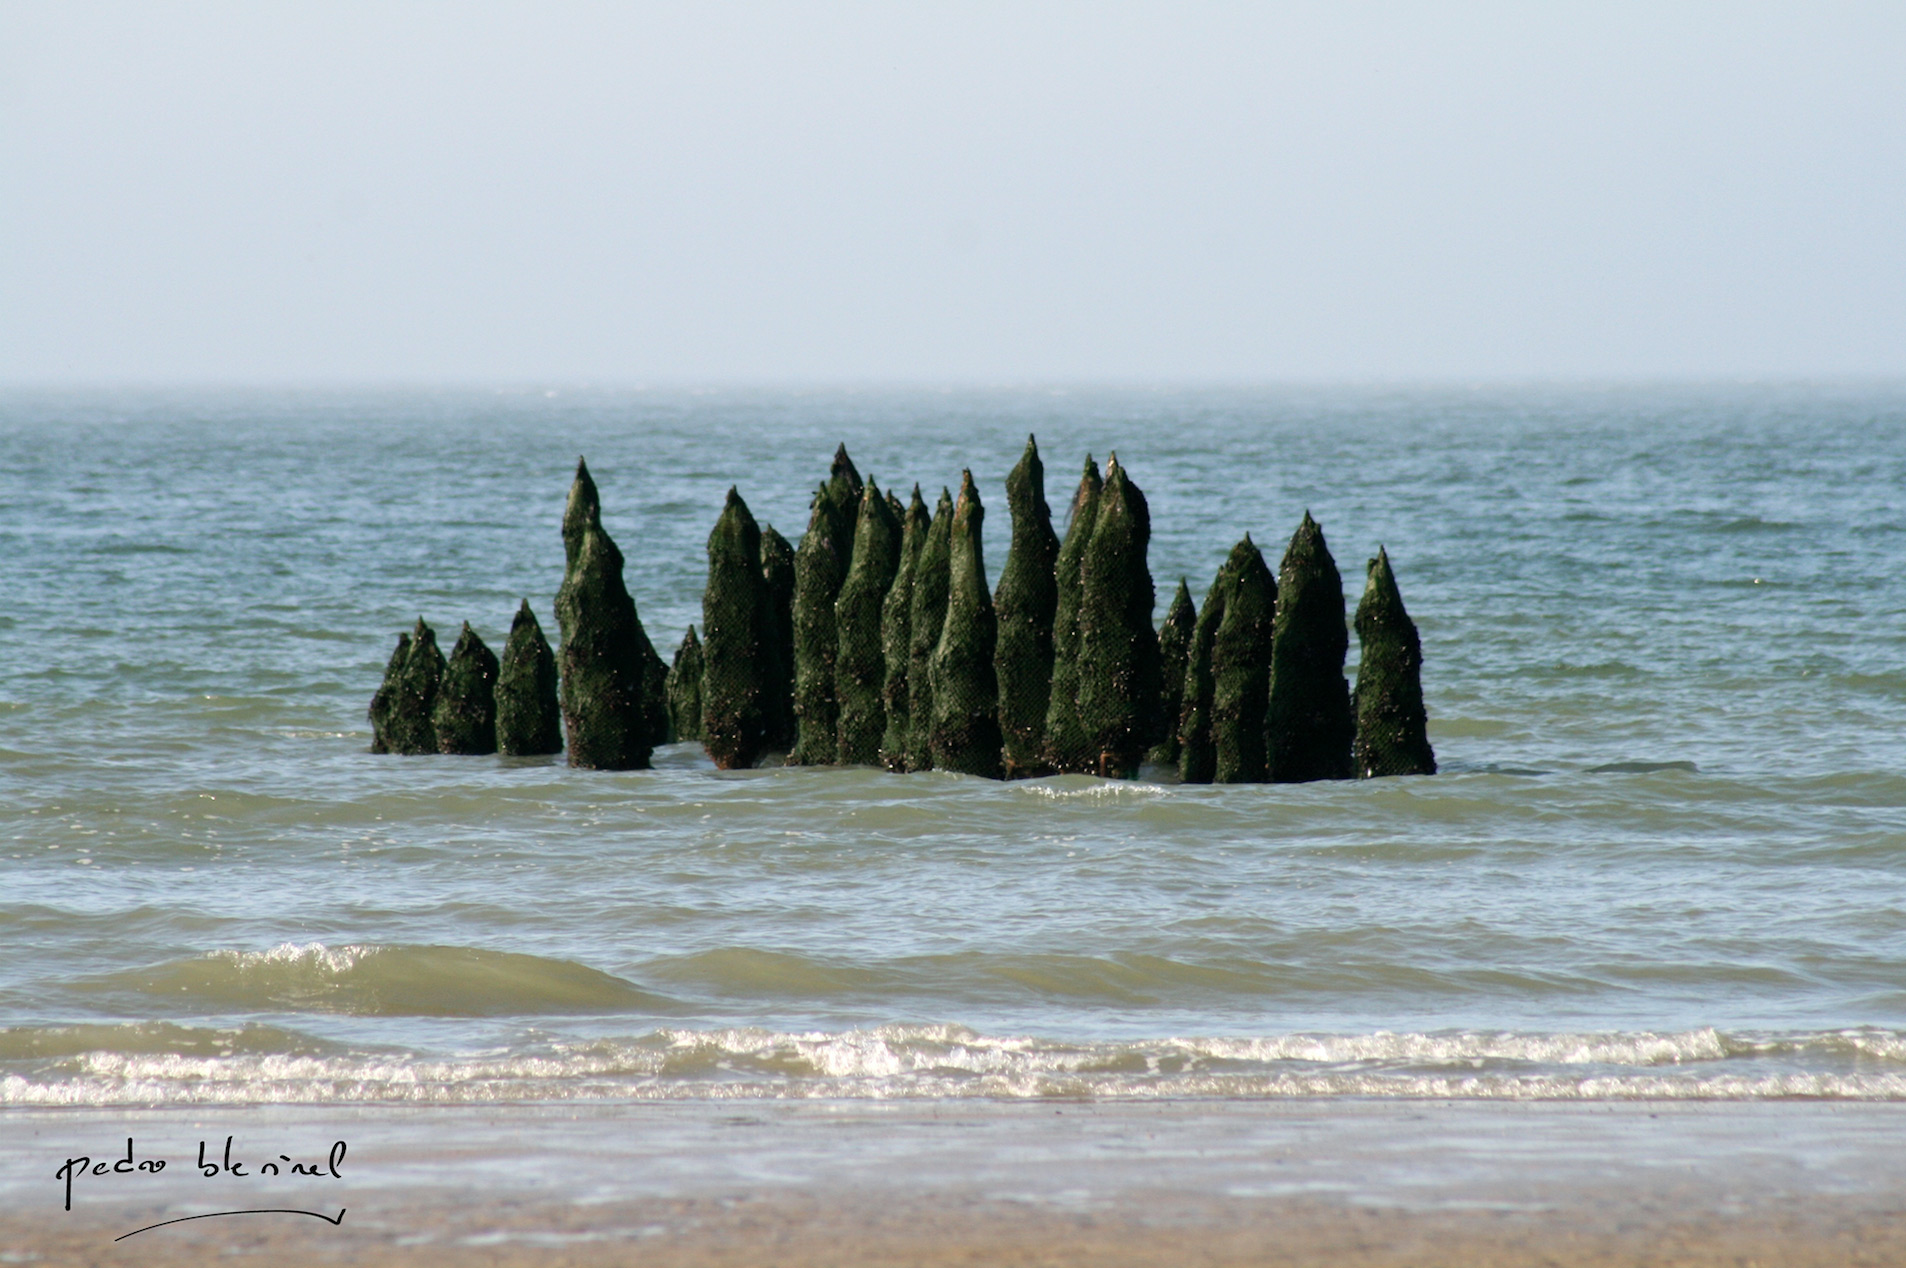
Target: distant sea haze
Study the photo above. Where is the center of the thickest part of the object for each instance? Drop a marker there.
(1664, 636)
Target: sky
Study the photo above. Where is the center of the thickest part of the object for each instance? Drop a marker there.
(996, 193)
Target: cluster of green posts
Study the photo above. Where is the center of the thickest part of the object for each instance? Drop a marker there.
(878, 642)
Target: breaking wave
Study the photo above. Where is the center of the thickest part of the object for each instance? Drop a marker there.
(383, 981)
(169, 1064)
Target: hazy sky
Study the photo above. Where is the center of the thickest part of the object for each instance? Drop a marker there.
(1021, 191)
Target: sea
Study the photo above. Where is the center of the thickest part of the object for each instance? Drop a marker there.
(1664, 635)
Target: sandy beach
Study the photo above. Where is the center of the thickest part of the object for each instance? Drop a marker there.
(717, 1183)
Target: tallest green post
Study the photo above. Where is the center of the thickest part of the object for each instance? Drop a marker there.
(1024, 605)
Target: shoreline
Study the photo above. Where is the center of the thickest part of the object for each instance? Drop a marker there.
(1346, 1182)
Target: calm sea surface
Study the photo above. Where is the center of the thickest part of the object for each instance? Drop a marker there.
(1665, 643)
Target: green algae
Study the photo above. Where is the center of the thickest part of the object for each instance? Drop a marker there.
(1118, 648)
(1066, 745)
(896, 625)
(777, 571)
(528, 714)
(1024, 605)
(860, 666)
(964, 735)
(1241, 668)
(1392, 725)
(605, 675)
(931, 576)
(465, 712)
(385, 698)
(1174, 654)
(735, 668)
(410, 727)
(820, 566)
(1310, 724)
(1197, 755)
(685, 688)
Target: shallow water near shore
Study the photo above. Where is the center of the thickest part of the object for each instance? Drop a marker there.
(1665, 643)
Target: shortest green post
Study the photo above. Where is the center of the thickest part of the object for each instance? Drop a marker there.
(529, 718)
(1392, 725)
(465, 712)
(685, 688)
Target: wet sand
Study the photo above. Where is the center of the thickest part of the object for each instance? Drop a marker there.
(933, 1183)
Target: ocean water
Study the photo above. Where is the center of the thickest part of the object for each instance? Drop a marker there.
(1665, 642)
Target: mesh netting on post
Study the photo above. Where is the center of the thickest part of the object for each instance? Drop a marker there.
(1392, 726)
(1024, 605)
(965, 730)
(1310, 725)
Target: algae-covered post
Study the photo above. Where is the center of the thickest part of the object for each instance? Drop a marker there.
(1067, 748)
(734, 668)
(928, 614)
(409, 728)
(1024, 604)
(385, 699)
(1241, 669)
(685, 688)
(1174, 654)
(465, 712)
(777, 570)
(528, 717)
(965, 730)
(860, 667)
(896, 625)
(1118, 649)
(603, 671)
(820, 568)
(1392, 726)
(1197, 755)
(1310, 725)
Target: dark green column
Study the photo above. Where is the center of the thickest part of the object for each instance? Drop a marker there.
(965, 731)
(1197, 754)
(1310, 726)
(777, 570)
(1241, 668)
(685, 688)
(860, 670)
(931, 573)
(604, 675)
(734, 664)
(465, 712)
(385, 699)
(411, 728)
(1118, 648)
(1067, 748)
(896, 625)
(529, 720)
(1392, 726)
(1024, 604)
(1174, 654)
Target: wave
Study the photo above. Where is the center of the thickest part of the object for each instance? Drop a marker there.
(383, 981)
(178, 1065)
